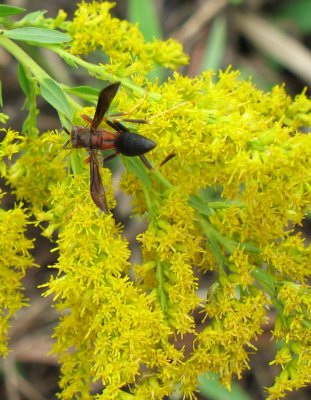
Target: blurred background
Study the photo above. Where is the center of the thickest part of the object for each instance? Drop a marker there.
(268, 40)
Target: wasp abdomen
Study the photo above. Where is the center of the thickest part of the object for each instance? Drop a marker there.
(133, 144)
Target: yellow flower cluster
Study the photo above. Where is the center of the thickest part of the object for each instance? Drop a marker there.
(93, 27)
(289, 258)
(229, 202)
(223, 140)
(292, 328)
(9, 147)
(41, 163)
(15, 258)
(15, 249)
(110, 330)
(170, 249)
(240, 150)
(237, 318)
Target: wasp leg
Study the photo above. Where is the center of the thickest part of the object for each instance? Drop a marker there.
(87, 119)
(166, 159)
(110, 157)
(66, 144)
(116, 125)
(146, 162)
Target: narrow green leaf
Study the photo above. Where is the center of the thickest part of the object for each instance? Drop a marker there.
(214, 247)
(225, 204)
(68, 60)
(37, 35)
(299, 12)
(1, 101)
(198, 204)
(76, 162)
(135, 166)
(265, 280)
(211, 387)
(251, 247)
(216, 44)
(10, 10)
(32, 18)
(55, 96)
(87, 93)
(23, 80)
(144, 12)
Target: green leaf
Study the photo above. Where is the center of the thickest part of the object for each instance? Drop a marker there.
(87, 93)
(265, 280)
(1, 101)
(55, 96)
(214, 247)
(298, 11)
(225, 204)
(32, 18)
(76, 162)
(135, 166)
(216, 45)
(68, 60)
(144, 12)
(198, 204)
(10, 10)
(23, 80)
(211, 387)
(236, 2)
(251, 247)
(37, 35)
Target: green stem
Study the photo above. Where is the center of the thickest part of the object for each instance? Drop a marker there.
(40, 75)
(161, 179)
(23, 58)
(29, 63)
(160, 281)
(150, 204)
(229, 244)
(99, 70)
(124, 396)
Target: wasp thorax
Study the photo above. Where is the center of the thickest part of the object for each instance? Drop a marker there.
(80, 137)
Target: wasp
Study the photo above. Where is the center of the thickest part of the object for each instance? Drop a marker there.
(120, 140)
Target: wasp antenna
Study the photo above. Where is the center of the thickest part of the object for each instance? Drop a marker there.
(66, 130)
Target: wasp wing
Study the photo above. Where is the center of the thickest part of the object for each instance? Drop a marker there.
(96, 186)
(104, 100)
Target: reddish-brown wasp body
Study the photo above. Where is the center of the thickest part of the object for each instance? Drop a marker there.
(121, 140)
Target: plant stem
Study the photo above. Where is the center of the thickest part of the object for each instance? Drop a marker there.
(99, 70)
(23, 58)
(160, 289)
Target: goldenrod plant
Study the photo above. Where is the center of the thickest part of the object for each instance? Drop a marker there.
(229, 203)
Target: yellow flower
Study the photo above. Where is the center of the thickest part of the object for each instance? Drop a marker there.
(15, 258)
(40, 164)
(228, 202)
(129, 55)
